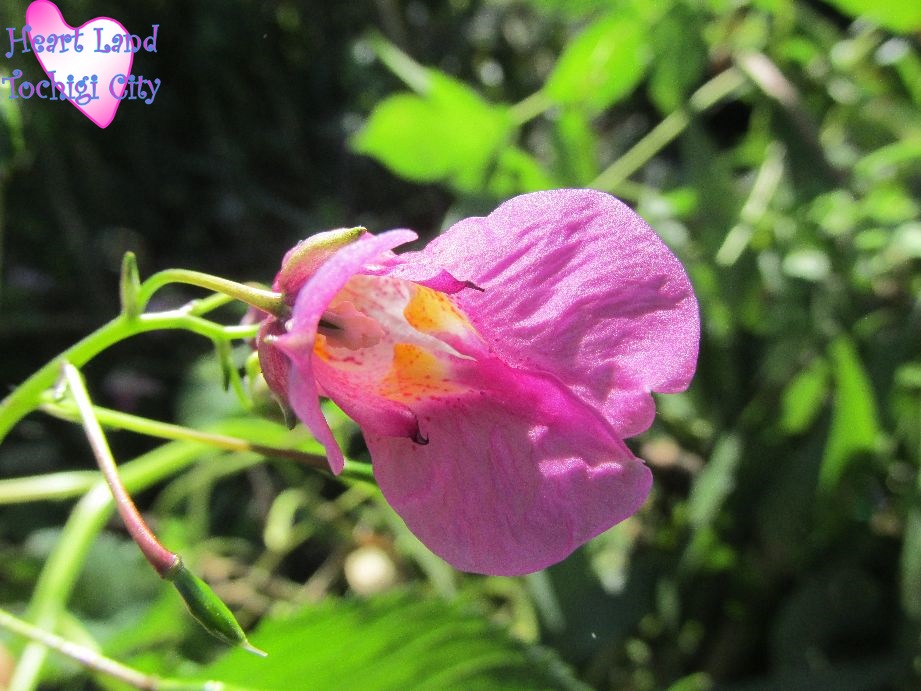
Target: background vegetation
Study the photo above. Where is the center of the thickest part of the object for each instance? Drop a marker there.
(774, 145)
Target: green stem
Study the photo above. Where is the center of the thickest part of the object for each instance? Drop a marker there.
(353, 470)
(707, 96)
(164, 430)
(88, 657)
(529, 108)
(88, 518)
(50, 486)
(162, 559)
(93, 660)
(415, 76)
(265, 300)
(26, 396)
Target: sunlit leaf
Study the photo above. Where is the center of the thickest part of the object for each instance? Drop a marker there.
(394, 642)
(576, 147)
(854, 425)
(448, 134)
(517, 172)
(902, 16)
(601, 65)
(680, 59)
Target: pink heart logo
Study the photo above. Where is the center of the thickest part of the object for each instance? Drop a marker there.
(75, 60)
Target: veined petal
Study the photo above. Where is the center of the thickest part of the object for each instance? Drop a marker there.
(298, 344)
(495, 493)
(495, 373)
(577, 285)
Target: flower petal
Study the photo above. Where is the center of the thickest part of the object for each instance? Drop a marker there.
(495, 493)
(577, 285)
(298, 343)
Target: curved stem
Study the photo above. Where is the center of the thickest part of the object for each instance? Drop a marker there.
(162, 559)
(26, 396)
(85, 656)
(88, 518)
(47, 487)
(707, 96)
(165, 430)
(529, 108)
(266, 300)
(93, 660)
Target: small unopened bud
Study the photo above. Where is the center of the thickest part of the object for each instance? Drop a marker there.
(208, 609)
(307, 256)
(130, 285)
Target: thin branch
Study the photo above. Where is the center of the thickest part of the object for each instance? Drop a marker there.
(85, 656)
(164, 430)
(707, 96)
(89, 658)
(159, 557)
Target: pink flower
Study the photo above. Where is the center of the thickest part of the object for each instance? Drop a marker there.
(494, 373)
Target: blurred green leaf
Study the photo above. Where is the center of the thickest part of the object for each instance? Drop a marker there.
(601, 65)
(571, 8)
(699, 681)
(715, 482)
(12, 142)
(807, 263)
(448, 134)
(902, 16)
(576, 147)
(681, 57)
(517, 172)
(803, 397)
(886, 161)
(889, 203)
(854, 425)
(393, 642)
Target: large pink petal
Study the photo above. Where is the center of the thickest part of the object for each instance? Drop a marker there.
(577, 285)
(494, 492)
(298, 343)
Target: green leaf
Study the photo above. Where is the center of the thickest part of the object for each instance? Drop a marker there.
(807, 263)
(600, 66)
(715, 482)
(854, 425)
(576, 147)
(392, 642)
(449, 133)
(901, 16)
(803, 397)
(681, 57)
(518, 172)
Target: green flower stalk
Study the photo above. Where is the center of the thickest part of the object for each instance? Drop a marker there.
(206, 607)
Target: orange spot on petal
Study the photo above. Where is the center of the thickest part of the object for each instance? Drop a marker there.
(430, 311)
(416, 374)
